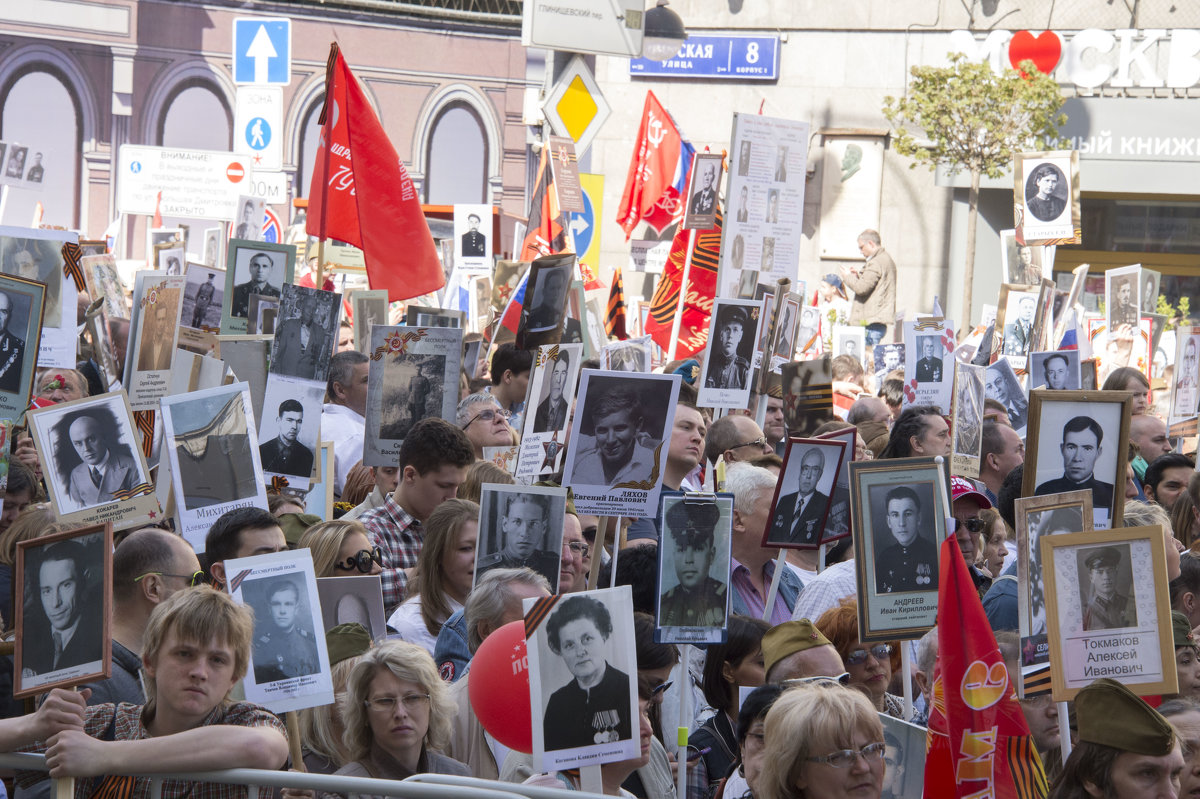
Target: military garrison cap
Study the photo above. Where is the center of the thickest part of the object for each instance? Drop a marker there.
(1181, 630)
(347, 641)
(1104, 556)
(788, 639)
(1112, 715)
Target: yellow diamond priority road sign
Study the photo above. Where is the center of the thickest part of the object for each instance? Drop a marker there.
(575, 107)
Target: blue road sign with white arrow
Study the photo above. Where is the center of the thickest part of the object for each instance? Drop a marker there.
(583, 225)
(262, 51)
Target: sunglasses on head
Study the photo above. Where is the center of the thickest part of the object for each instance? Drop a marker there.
(362, 561)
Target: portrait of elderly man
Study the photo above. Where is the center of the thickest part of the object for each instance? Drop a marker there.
(524, 527)
(1107, 608)
(929, 365)
(619, 449)
(1056, 371)
(12, 348)
(90, 459)
(260, 267)
(704, 199)
(726, 368)
(1082, 445)
(63, 624)
(1044, 205)
(997, 387)
(798, 515)
(905, 560)
(1018, 332)
(698, 599)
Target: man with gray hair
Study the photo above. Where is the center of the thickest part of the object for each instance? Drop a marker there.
(495, 601)
(343, 417)
(485, 422)
(874, 286)
(752, 567)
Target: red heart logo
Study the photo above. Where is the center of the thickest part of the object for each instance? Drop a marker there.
(1044, 50)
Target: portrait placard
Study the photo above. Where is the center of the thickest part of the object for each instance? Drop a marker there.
(968, 419)
(1046, 197)
(837, 523)
(544, 303)
(21, 305)
(551, 390)
(704, 184)
(473, 235)
(157, 304)
(631, 355)
(413, 373)
(1016, 317)
(851, 340)
(1108, 611)
(306, 332)
(521, 526)
(807, 395)
(582, 678)
(1054, 371)
(904, 777)
(1122, 299)
(103, 352)
(808, 333)
(693, 569)
(318, 499)
(200, 316)
(787, 331)
(264, 313)
(290, 663)
(1069, 512)
(63, 610)
(246, 356)
(733, 330)
(1021, 264)
(506, 278)
(887, 359)
(368, 308)
(422, 316)
(170, 259)
(929, 363)
(619, 441)
(93, 463)
(104, 282)
(353, 599)
(1077, 440)
(290, 429)
(249, 224)
(1000, 383)
(252, 267)
(210, 439)
(1185, 394)
(804, 493)
(36, 254)
(212, 255)
(898, 523)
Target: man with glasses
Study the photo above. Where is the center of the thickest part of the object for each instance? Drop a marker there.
(736, 438)
(893, 774)
(282, 648)
(485, 423)
(523, 526)
(966, 503)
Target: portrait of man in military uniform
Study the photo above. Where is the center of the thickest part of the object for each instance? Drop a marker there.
(905, 559)
(1018, 327)
(1106, 607)
(284, 454)
(698, 599)
(259, 269)
(729, 362)
(704, 199)
(283, 645)
(553, 412)
(929, 366)
(526, 531)
(474, 243)
(800, 515)
(1082, 445)
(12, 347)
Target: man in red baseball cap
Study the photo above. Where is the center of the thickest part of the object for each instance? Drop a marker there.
(965, 503)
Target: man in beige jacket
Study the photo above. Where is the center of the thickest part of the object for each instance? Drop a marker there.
(874, 286)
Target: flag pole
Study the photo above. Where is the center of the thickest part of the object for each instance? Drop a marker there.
(683, 284)
(319, 277)
(773, 591)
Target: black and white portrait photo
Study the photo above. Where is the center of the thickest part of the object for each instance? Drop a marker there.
(16, 161)
(545, 301)
(743, 205)
(288, 429)
(212, 248)
(157, 329)
(521, 526)
(1122, 288)
(305, 332)
(1110, 602)
(94, 453)
(930, 368)
(1047, 192)
(772, 206)
(1056, 371)
(1019, 312)
(702, 205)
(694, 569)
(788, 328)
(170, 260)
(1185, 396)
(472, 244)
(583, 676)
(202, 298)
(968, 413)
(1149, 283)
(767, 262)
(1001, 384)
(888, 358)
(623, 421)
(1022, 263)
(850, 340)
(631, 355)
(255, 272)
(743, 168)
(734, 327)
(285, 643)
(781, 156)
(1037, 517)
(808, 333)
(20, 316)
(63, 602)
(806, 484)
(906, 552)
(36, 172)
(36, 259)
(249, 223)
(556, 390)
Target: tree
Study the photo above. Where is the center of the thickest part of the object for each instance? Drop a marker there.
(970, 117)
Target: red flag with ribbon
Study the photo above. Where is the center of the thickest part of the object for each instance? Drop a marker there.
(362, 194)
(546, 233)
(978, 742)
(657, 171)
(698, 295)
(614, 320)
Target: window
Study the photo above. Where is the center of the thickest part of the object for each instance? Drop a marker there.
(41, 111)
(310, 136)
(196, 118)
(456, 164)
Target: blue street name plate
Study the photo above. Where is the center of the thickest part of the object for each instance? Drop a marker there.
(725, 57)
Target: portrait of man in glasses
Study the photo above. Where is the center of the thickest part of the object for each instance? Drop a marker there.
(697, 599)
(905, 558)
(283, 645)
(93, 463)
(525, 533)
(799, 514)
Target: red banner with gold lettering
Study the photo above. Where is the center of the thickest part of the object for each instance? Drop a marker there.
(697, 298)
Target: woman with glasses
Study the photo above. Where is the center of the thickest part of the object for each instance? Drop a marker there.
(341, 549)
(445, 571)
(869, 665)
(821, 743)
(397, 714)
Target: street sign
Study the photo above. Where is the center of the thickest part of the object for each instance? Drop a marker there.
(271, 186)
(195, 184)
(262, 50)
(258, 126)
(585, 26)
(722, 57)
(575, 106)
(585, 227)
(272, 227)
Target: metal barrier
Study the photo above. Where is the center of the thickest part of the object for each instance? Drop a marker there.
(419, 786)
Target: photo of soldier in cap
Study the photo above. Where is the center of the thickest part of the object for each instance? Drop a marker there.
(693, 597)
(731, 351)
(521, 526)
(284, 646)
(1110, 603)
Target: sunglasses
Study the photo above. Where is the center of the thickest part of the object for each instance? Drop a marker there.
(821, 680)
(362, 561)
(489, 415)
(859, 656)
(759, 442)
(974, 524)
(194, 579)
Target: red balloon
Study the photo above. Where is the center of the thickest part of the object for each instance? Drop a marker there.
(499, 687)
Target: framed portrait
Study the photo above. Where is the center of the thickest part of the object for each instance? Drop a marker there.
(631, 355)
(929, 362)
(480, 293)
(412, 374)
(353, 599)
(473, 237)
(887, 358)
(1107, 595)
(619, 440)
(552, 385)
(837, 523)
(21, 305)
(264, 313)
(506, 278)
(162, 236)
(367, 308)
(157, 305)
(1016, 317)
(586, 705)
(92, 461)
(420, 316)
(804, 493)
(103, 352)
(898, 524)
(1046, 197)
(1185, 395)
(786, 331)
(1076, 440)
(851, 340)
(212, 255)
(104, 282)
(704, 186)
(728, 371)
(807, 395)
(93, 247)
(1021, 264)
(253, 267)
(521, 526)
(1054, 371)
(200, 314)
(1000, 383)
(747, 283)
(967, 447)
(544, 305)
(36, 254)
(288, 434)
(904, 775)
(170, 259)
(306, 332)
(693, 569)
(1149, 282)
(1053, 514)
(808, 336)
(249, 223)
(289, 667)
(1122, 297)
(210, 438)
(63, 610)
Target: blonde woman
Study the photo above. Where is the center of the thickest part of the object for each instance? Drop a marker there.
(321, 727)
(341, 549)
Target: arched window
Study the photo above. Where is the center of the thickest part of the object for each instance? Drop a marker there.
(310, 136)
(196, 118)
(456, 170)
(41, 115)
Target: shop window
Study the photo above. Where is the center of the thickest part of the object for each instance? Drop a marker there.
(456, 163)
(42, 116)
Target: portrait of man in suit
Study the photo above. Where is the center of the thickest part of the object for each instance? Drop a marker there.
(284, 454)
(63, 624)
(798, 515)
(704, 199)
(12, 348)
(743, 209)
(929, 366)
(1018, 332)
(156, 345)
(245, 228)
(90, 458)
(1056, 371)
(474, 243)
(261, 266)
(553, 412)
(304, 344)
(744, 159)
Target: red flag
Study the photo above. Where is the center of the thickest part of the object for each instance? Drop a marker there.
(655, 168)
(361, 193)
(978, 742)
(547, 230)
(614, 321)
(698, 296)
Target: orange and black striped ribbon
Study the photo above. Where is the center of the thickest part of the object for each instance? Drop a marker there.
(614, 321)
(72, 264)
(538, 613)
(145, 425)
